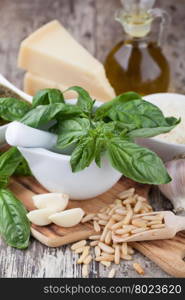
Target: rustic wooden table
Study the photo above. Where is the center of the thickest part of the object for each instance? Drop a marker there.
(92, 23)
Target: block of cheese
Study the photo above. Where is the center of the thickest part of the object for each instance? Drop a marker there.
(33, 83)
(52, 53)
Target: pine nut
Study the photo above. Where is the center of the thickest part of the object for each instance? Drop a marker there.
(102, 210)
(105, 258)
(79, 250)
(158, 226)
(139, 223)
(105, 248)
(78, 245)
(122, 231)
(108, 237)
(152, 217)
(110, 223)
(84, 254)
(121, 211)
(96, 226)
(117, 217)
(112, 273)
(121, 239)
(118, 202)
(94, 237)
(103, 217)
(117, 255)
(128, 217)
(130, 200)
(85, 271)
(94, 243)
(87, 218)
(117, 225)
(142, 199)
(124, 249)
(105, 263)
(130, 250)
(138, 230)
(102, 222)
(87, 260)
(126, 257)
(97, 251)
(138, 269)
(137, 207)
(126, 194)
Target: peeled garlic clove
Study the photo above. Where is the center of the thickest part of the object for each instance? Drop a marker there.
(68, 218)
(55, 201)
(175, 190)
(40, 217)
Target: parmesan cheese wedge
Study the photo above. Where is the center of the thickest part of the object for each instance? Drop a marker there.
(54, 201)
(53, 54)
(67, 218)
(33, 83)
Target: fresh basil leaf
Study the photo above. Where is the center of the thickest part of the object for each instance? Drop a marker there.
(137, 163)
(149, 132)
(14, 225)
(83, 154)
(172, 121)
(71, 111)
(42, 114)
(9, 161)
(84, 100)
(138, 112)
(100, 147)
(22, 169)
(101, 112)
(47, 96)
(4, 180)
(12, 109)
(55, 96)
(70, 130)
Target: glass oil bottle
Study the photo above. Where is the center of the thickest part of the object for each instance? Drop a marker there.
(138, 63)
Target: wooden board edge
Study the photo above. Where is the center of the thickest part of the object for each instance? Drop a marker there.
(60, 241)
(169, 268)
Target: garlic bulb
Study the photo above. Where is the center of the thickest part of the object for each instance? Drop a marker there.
(175, 190)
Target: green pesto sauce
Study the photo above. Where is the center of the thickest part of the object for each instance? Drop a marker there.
(5, 92)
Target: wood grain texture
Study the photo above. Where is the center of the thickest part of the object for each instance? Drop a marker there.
(167, 254)
(92, 23)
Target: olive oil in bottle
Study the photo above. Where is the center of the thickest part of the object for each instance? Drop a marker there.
(137, 63)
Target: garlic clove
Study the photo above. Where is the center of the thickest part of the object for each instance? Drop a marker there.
(175, 190)
(68, 218)
(55, 201)
(40, 217)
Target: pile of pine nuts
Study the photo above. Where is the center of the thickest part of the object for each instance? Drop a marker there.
(112, 225)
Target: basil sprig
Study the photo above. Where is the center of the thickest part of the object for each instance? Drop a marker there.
(93, 132)
(90, 133)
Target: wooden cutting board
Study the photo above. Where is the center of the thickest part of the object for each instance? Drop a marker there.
(168, 254)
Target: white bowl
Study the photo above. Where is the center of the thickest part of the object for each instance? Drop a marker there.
(54, 172)
(23, 95)
(166, 150)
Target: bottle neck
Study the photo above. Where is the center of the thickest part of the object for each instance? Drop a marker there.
(136, 41)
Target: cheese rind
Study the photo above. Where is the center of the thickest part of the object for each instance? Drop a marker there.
(52, 53)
